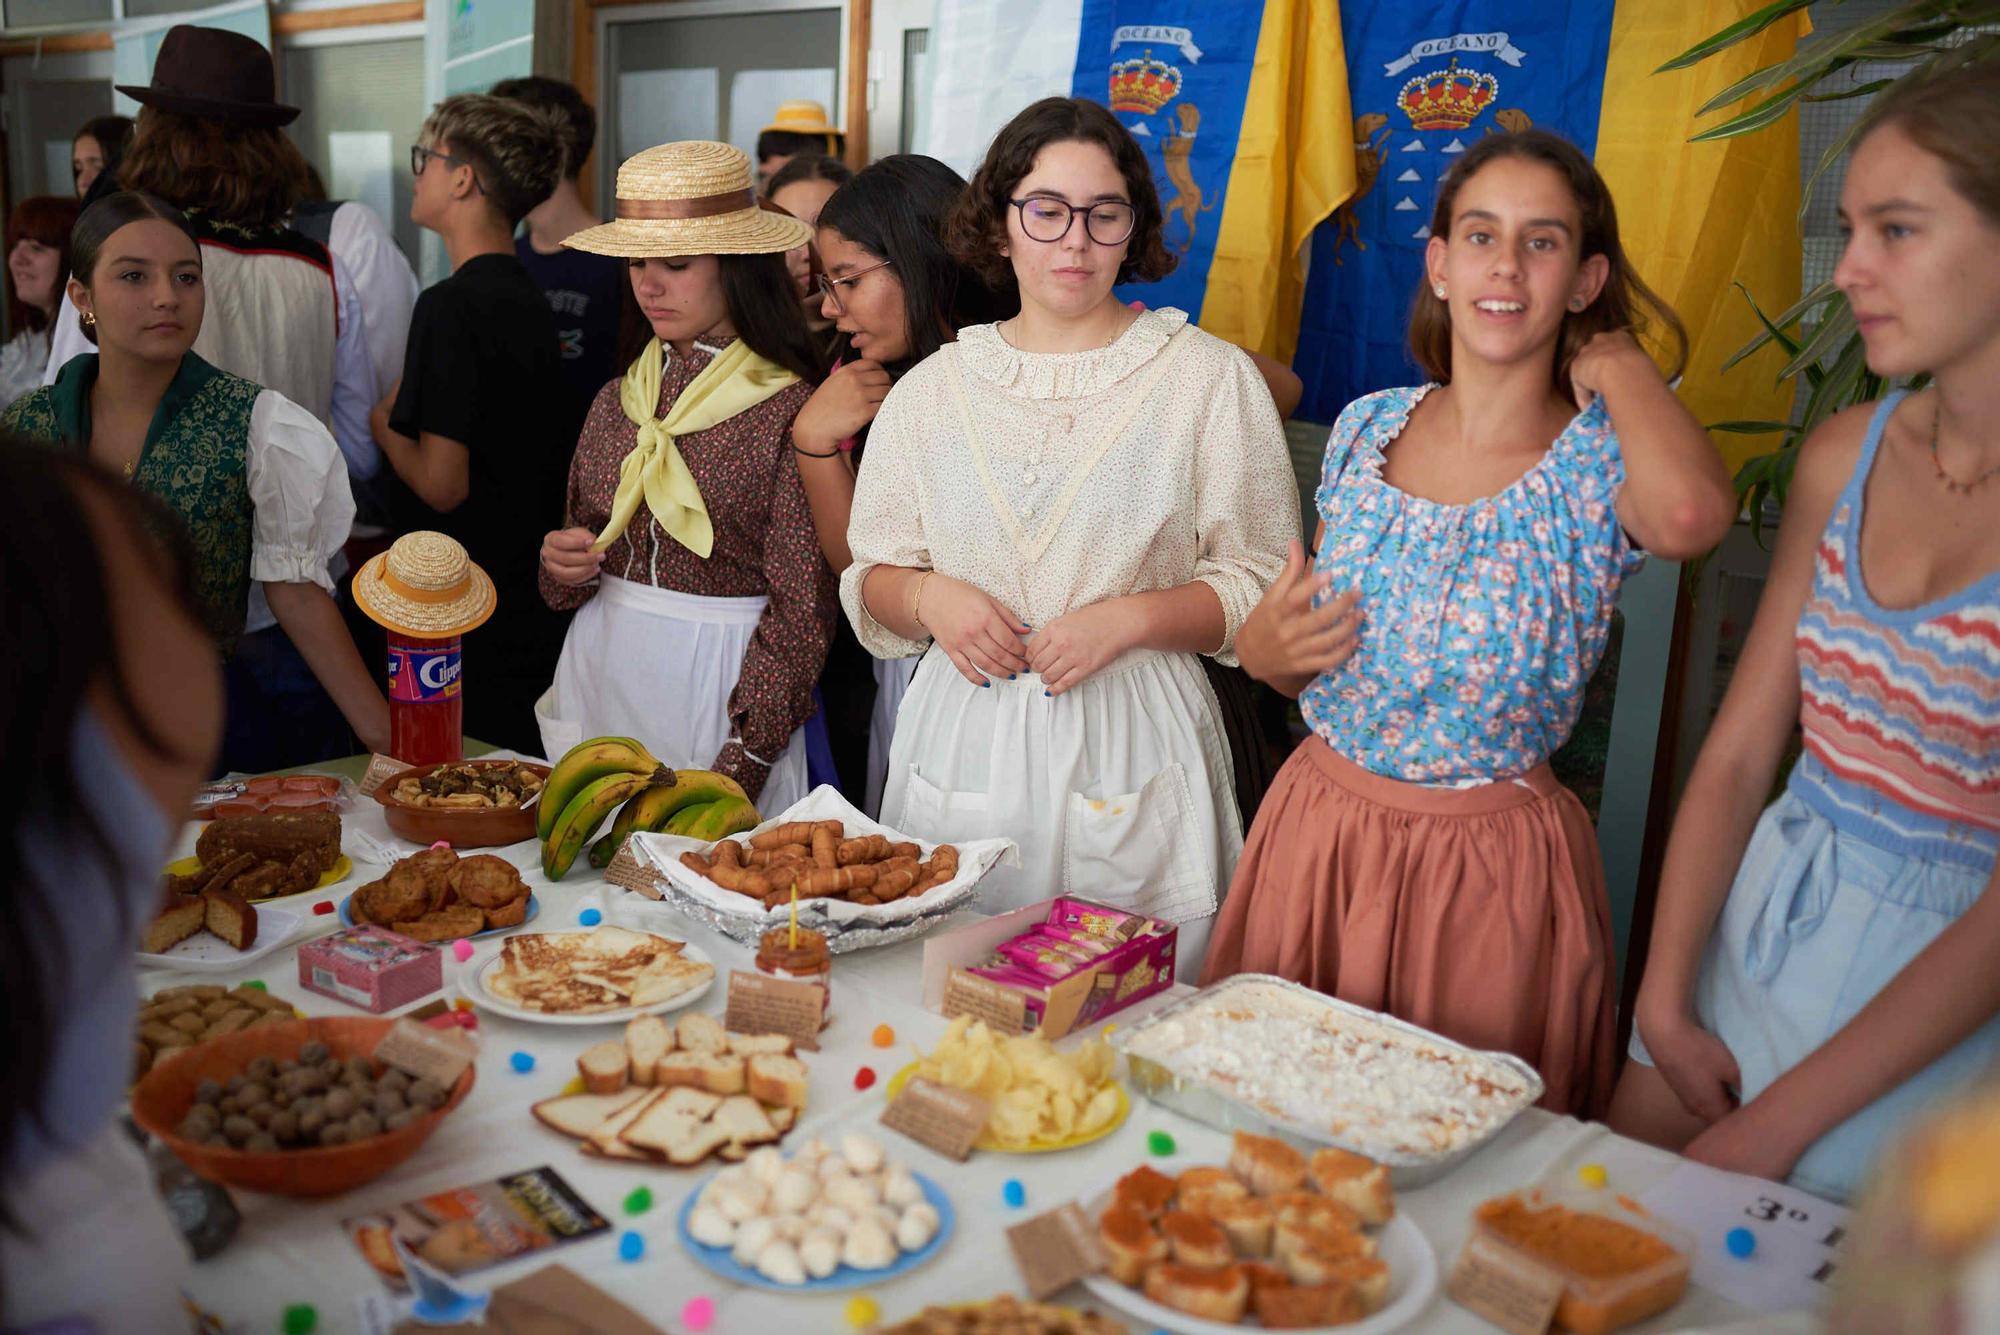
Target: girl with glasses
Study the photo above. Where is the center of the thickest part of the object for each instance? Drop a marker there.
(1060, 511)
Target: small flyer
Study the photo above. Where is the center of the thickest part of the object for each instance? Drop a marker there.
(470, 1228)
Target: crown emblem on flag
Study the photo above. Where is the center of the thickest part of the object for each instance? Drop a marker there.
(1143, 84)
(1446, 99)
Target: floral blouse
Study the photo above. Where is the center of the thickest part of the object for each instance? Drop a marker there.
(1481, 623)
(765, 546)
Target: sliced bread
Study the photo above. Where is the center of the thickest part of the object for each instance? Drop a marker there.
(743, 1120)
(701, 1033)
(605, 1139)
(749, 1045)
(604, 1067)
(647, 1039)
(578, 1115)
(718, 1073)
(778, 1079)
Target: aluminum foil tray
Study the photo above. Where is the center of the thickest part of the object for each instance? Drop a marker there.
(1192, 1097)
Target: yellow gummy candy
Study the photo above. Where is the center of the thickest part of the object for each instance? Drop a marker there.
(862, 1312)
(1592, 1175)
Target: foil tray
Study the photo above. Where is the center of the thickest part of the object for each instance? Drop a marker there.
(1192, 1098)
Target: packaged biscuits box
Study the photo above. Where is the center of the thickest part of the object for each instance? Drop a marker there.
(1050, 968)
(371, 967)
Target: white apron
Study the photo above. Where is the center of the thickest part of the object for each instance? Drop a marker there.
(658, 665)
(892, 683)
(1119, 790)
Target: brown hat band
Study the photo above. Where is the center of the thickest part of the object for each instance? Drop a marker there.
(701, 206)
(417, 595)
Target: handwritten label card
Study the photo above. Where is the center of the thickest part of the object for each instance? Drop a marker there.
(1798, 1236)
(1002, 1008)
(425, 1052)
(1504, 1287)
(759, 1004)
(1056, 1249)
(944, 1119)
(380, 769)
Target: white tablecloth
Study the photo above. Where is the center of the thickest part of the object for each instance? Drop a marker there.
(294, 1251)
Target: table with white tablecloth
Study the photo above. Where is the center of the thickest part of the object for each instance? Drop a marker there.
(292, 1251)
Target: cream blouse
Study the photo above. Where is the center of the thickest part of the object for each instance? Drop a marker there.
(1053, 481)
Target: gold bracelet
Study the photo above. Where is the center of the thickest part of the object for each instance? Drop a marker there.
(917, 600)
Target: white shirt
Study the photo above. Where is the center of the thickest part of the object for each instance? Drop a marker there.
(22, 360)
(1065, 479)
(298, 484)
(384, 283)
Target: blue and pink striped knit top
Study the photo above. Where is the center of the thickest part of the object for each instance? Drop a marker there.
(1901, 709)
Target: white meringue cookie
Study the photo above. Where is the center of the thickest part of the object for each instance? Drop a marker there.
(831, 1165)
(900, 1187)
(752, 1237)
(819, 1251)
(779, 1262)
(765, 1164)
(794, 1191)
(710, 1227)
(790, 1227)
(741, 1200)
(864, 1154)
(917, 1227)
(857, 1194)
(868, 1247)
(836, 1218)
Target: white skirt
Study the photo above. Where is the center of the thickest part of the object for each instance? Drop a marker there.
(1117, 791)
(659, 666)
(892, 683)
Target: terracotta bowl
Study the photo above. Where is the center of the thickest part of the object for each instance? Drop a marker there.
(461, 828)
(163, 1096)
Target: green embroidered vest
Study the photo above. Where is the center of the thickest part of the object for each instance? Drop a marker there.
(195, 459)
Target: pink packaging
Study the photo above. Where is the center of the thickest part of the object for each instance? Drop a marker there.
(370, 967)
(1138, 962)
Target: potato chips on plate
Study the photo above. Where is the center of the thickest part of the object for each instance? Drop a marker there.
(1042, 1099)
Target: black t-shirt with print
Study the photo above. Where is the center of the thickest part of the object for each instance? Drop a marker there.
(584, 293)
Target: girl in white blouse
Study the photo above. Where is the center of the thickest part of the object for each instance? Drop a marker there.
(256, 480)
(1062, 510)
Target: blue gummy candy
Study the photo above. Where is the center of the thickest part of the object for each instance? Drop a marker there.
(1014, 1193)
(1741, 1242)
(630, 1246)
(590, 917)
(522, 1062)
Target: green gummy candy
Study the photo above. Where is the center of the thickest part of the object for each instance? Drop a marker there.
(1159, 1142)
(301, 1319)
(639, 1201)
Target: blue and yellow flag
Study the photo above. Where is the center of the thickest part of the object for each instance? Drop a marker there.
(1428, 79)
(1239, 109)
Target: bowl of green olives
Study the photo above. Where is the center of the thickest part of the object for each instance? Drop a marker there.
(299, 1109)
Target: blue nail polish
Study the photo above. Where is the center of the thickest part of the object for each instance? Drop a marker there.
(1010, 676)
(1044, 692)
(987, 684)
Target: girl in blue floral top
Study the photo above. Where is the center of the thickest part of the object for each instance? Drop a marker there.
(1416, 855)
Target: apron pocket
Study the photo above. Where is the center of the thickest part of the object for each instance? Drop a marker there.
(559, 736)
(933, 813)
(1138, 851)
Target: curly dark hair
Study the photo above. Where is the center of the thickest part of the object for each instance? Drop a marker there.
(976, 231)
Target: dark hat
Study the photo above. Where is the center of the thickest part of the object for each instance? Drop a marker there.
(215, 75)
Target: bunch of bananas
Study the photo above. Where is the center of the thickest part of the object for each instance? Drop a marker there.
(607, 774)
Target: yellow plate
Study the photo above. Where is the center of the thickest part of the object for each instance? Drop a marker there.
(985, 1142)
(333, 875)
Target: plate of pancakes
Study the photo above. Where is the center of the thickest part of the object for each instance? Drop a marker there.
(594, 975)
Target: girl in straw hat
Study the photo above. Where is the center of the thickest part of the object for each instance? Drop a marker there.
(1060, 511)
(706, 607)
(258, 481)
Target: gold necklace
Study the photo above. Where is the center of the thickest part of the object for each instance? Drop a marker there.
(1952, 484)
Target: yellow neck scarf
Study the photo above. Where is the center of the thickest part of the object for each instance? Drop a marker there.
(737, 380)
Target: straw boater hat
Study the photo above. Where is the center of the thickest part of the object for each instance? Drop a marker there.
(692, 198)
(801, 117)
(425, 586)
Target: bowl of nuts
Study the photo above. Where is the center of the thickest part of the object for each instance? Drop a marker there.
(296, 1109)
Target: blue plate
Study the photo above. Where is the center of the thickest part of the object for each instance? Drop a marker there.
(718, 1259)
(534, 907)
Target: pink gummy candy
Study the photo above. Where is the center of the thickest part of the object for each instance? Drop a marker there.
(461, 950)
(699, 1313)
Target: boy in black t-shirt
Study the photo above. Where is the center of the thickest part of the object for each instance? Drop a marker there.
(476, 428)
(584, 290)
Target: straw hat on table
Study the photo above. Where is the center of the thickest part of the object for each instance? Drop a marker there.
(691, 198)
(426, 586)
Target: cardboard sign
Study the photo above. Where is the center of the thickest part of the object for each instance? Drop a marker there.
(412, 1046)
(1056, 1249)
(1003, 1010)
(381, 769)
(944, 1119)
(759, 1004)
(1504, 1287)
(627, 872)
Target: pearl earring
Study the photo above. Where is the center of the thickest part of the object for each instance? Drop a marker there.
(1439, 289)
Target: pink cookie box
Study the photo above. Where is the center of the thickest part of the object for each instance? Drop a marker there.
(1140, 964)
(371, 967)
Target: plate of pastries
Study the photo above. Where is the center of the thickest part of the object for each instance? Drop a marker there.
(436, 895)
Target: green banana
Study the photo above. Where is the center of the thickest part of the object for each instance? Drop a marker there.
(606, 848)
(580, 819)
(683, 821)
(719, 820)
(666, 807)
(581, 766)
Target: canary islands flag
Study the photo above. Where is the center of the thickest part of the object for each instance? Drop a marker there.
(1427, 79)
(1239, 108)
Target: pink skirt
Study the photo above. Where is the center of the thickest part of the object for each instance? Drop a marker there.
(1477, 913)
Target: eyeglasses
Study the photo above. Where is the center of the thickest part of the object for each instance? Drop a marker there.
(1107, 222)
(830, 287)
(421, 156)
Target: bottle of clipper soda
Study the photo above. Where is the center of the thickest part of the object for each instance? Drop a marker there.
(426, 700)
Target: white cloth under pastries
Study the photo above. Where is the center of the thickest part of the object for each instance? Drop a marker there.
(659, 665)
(1053, 482)
(298, 484)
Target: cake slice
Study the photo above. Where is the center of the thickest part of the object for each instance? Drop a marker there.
(778, 1079)
(229, 916)
(1360, 1184)
(1131, 1241)
(1215, 1295)
(175, 923)
(1267, 1165)
(647, 1039)
(1302, 1306)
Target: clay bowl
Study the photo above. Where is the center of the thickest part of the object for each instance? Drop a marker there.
(460, 827)
(164, 1094)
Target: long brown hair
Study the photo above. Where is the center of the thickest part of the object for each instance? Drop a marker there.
(46, 219)
(250, 177)
(1625, 302)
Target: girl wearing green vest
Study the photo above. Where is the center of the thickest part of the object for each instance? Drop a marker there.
(256, 479)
